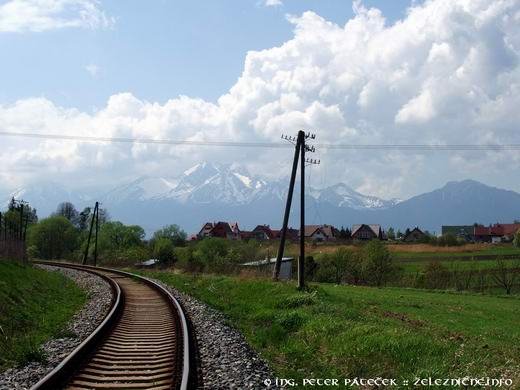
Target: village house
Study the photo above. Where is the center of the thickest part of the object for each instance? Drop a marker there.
(264, 232)
(414, 235)
(321, 233)
(220, 229)
(499, 232)
(367, 232)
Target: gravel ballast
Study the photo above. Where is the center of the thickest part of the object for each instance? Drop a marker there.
(225, 359)
(82, 324)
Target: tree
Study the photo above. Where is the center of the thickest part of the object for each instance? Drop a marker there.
(84, 219)
(173, 233)
(516, 239)
(163, 250)
(11, 219)
(53, 237)
(116, 236)
(505, 276)
(377, 263)
(67, 210)
(391, 233)
(399, 234)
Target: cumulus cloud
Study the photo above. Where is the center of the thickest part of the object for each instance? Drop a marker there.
(447, 73)
(42, 15)
(273, 3)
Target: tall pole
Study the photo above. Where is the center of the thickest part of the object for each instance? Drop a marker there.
(85, 256)
(97, 230)
(301, 260)
(278, 264)
(21, 222)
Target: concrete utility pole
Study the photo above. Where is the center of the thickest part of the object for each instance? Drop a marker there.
(300, 148)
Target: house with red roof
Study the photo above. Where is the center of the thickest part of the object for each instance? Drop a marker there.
(220, 229)
(496, 233)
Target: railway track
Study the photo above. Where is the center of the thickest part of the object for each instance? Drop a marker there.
(143, 342)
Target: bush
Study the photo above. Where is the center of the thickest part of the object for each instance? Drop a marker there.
(339, 266)
(436, 276)
(448, 240)
(310, 268)
(377, 263)
(516, 239)
(163, 250)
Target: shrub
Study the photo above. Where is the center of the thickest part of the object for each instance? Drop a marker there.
(341, 265)
(436, 276)
(516, 239)
(377, 263)
(163, 250)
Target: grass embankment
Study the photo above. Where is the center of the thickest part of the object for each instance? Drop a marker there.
(346, 331)
(35, 306)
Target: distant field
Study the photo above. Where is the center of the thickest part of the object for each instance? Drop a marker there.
(417, 251)
(417, 266)
(35, 305)
(346, 331)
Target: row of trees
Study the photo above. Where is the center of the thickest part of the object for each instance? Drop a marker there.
(63, 235)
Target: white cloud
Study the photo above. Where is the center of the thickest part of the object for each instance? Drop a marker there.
(92, 69)
(273, 3)
(447, 73)
(42, 15)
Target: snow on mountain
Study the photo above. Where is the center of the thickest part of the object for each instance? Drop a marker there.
(143, 188)
(44, 196)
(342, 195)
(207, 183)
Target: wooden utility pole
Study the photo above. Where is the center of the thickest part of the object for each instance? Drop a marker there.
(283, 232)
(299, 152)
(21, 222)
(85, 255)
(97, 230)
(301, 259)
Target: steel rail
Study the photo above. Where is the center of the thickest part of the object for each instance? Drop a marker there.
(62, 373)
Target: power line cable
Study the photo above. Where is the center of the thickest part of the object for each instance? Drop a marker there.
(273, 145)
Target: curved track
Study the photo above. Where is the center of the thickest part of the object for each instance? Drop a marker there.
(143, 343)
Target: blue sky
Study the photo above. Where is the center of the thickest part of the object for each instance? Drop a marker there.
(156, 49)
(355, 72)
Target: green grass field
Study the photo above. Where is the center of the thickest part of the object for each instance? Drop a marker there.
(35, 306)
(492, 251)
(346, 331)
(419, 266)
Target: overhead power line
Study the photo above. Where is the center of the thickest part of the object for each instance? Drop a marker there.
(272, 145)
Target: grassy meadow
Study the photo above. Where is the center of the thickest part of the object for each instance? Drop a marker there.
(339, 331)
(35, 306)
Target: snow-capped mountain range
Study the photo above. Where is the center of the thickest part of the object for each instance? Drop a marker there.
(212, 192)
(208, 183)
